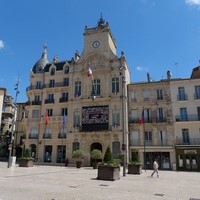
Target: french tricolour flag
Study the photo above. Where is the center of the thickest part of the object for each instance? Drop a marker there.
(89, 72)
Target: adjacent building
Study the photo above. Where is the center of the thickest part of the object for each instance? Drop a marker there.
(8, 111)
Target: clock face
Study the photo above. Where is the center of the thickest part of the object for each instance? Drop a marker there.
(95, 44)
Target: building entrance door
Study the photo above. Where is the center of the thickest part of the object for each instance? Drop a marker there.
(95, 146)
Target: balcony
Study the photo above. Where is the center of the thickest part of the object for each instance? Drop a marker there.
(150, 143)
(197, 96)
(8, 112)
(182, 97)
(137, 120)
(33, 136)
(61, 84)
(62, 135)
(34, 87)
(49, 101)
(63, 100)
(162, 119)
(186, 118)
(47, 136)
(36, 102)
(189, 141)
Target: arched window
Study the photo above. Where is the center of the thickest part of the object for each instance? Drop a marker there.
(75, 146)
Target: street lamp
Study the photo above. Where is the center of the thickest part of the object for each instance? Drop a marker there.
(13, 124)
(123, 80)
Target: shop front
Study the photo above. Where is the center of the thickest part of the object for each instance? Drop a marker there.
(163, 159)
(188, 158)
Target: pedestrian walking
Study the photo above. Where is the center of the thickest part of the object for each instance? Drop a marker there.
(155, 168)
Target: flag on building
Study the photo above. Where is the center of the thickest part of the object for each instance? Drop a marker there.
(46, 119)
(142, 117)
(89, 71)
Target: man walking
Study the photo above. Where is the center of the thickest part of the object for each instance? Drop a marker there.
(155, 168)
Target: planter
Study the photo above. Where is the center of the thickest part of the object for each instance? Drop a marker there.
(78, 164)
(110, 173)
(95, 165)
(25, 163)
(134, 169)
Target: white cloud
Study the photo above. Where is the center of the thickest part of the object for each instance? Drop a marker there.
(139, 68)
(193, 2)
(1, 44)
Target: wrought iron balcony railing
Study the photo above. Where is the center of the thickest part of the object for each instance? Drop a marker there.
(184, 118)
(188, 141)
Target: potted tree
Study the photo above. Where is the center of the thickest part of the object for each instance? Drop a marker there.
(96, 156)
(26, 160)
(135, 166)
(110, 169)
(78, 154)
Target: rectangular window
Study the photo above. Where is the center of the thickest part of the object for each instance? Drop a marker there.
(146, 95)
(64, 111)
(38, 85)
(35, 113)
(50, 97)
(181, 94)
(160, 115)
(197, 92)
(115, 85)
(77, 91)
(52, 83)
(37, 98)
(134, 116)
(148, 137)
(133, 96)
(185, 135)
(183, 114)
(50, 112)
(198, 112)
(116, 118)
(147, 117)
(66, 81)
(96, 87)
(159, 95)
(76, 119)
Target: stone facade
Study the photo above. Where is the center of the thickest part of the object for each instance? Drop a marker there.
(84, 112)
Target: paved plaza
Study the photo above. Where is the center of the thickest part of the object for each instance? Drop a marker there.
(59, 183)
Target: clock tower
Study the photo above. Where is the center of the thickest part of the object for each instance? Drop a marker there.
(99, 39)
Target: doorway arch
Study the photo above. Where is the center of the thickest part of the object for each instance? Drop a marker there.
(95, 145)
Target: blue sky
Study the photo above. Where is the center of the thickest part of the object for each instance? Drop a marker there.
(155, 35)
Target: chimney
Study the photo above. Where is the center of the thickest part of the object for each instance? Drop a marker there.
(149, 77)
(169, 75)
(76, 56)
(55, 59)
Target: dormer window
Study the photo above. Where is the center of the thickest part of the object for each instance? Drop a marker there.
(53, 71)
(66, 70)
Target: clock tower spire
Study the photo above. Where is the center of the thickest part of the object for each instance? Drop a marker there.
(99, 39)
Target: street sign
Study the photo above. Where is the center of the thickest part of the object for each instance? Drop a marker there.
(123, 147)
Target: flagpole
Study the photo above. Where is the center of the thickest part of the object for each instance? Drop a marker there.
(63, 135)
(144, 140)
